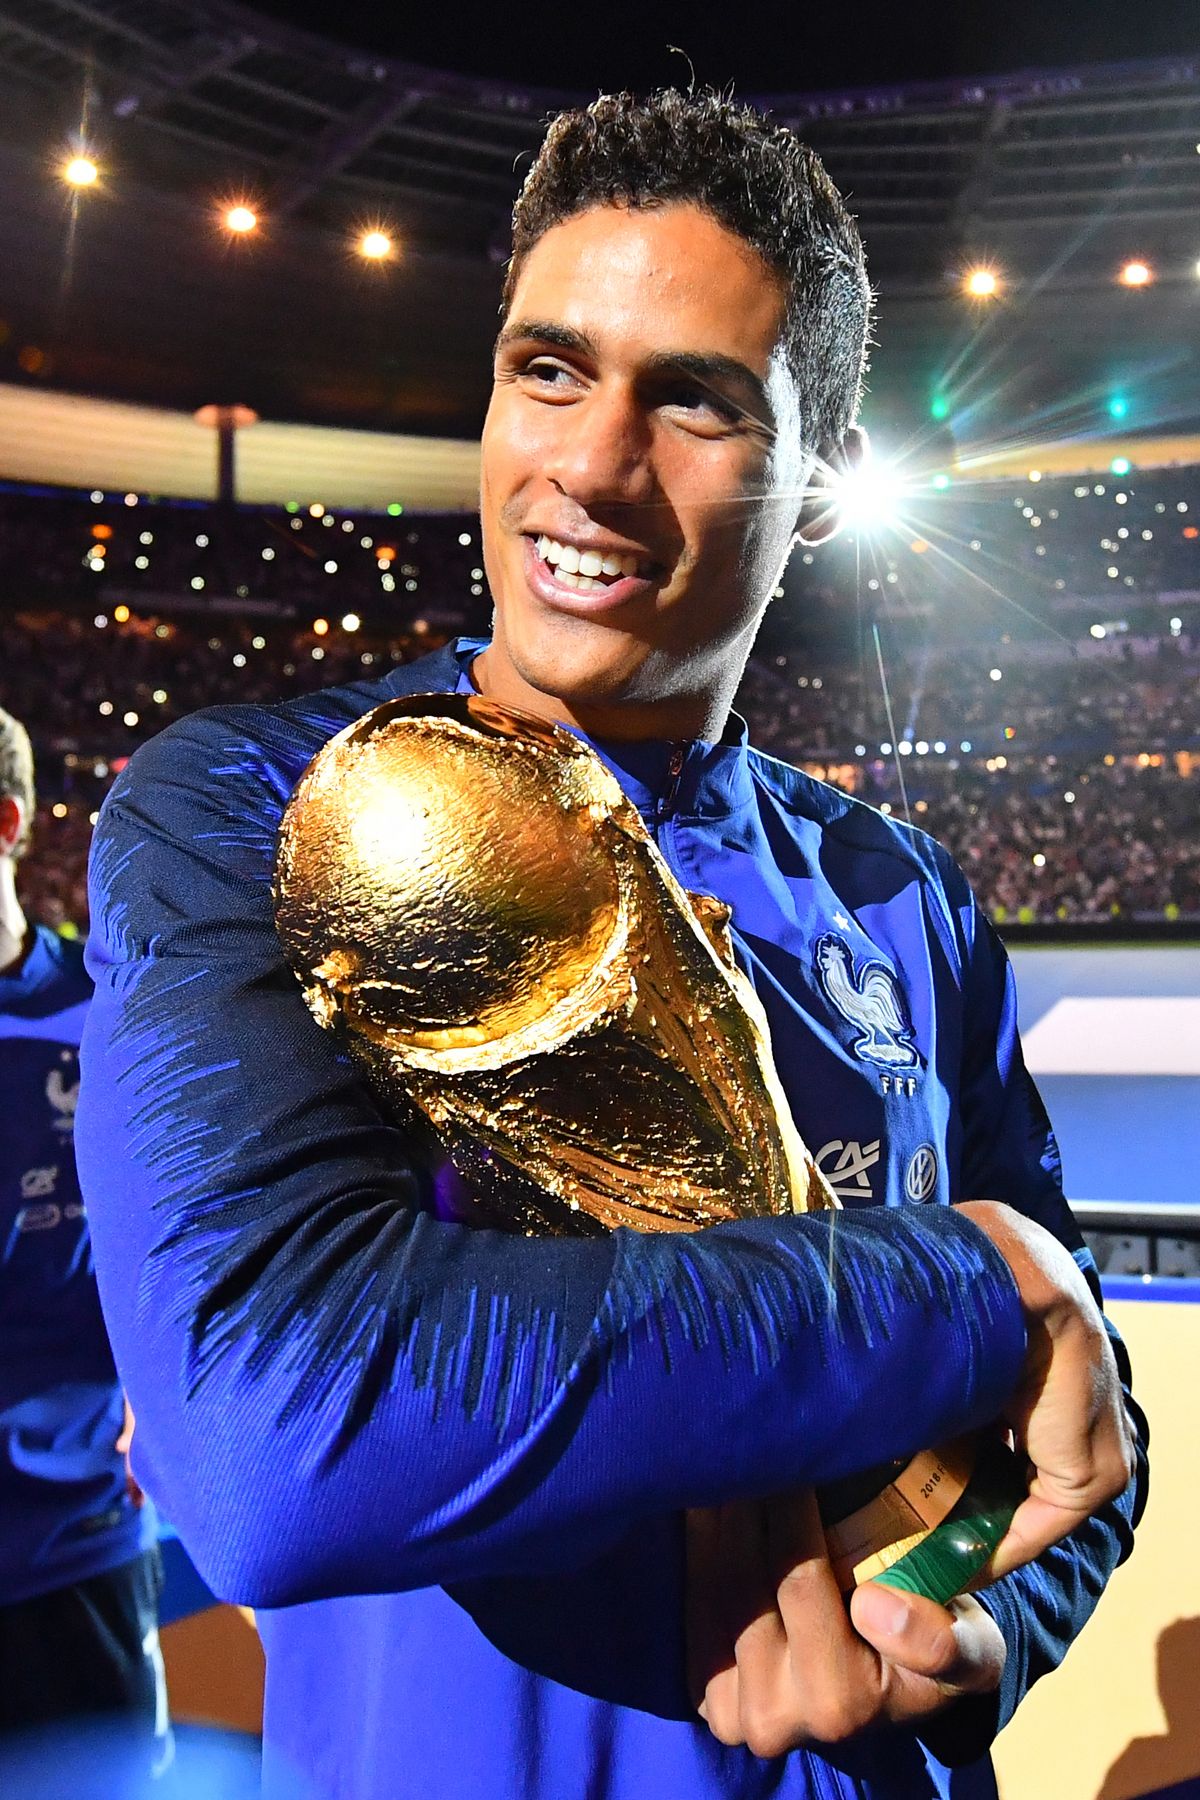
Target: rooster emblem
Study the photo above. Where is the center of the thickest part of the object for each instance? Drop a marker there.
(63, 1096)
(872, 1001)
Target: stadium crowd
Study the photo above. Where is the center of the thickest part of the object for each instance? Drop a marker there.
(1042, 709)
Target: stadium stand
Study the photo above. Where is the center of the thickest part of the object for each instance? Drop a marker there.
(1042, 660)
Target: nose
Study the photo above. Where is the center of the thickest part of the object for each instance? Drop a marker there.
(601, 449)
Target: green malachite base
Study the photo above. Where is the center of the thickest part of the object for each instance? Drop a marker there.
(948, 1560)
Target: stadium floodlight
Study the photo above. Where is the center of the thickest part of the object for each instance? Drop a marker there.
(1136, 274)
(868, 497)
(981, 284)
(239, 219)
(375, 245)
(80, 172)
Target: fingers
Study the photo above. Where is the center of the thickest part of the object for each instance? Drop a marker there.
(791, 1671)
(1068, 1413)
(826, 1656)
(1035, 1526)
(836, 1682)
(959, 1648)
(1070, 1416)
(1056, 1506)
(1076, 1433)
(775, 1659)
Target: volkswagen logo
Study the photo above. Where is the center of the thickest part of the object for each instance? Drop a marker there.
(920, 1177)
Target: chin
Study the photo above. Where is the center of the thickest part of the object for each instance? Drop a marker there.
(582, 664)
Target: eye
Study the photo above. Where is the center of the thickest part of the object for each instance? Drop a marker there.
(547, 375)
(701, 403)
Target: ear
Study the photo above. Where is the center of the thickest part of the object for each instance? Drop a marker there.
(12, 823)
(820, 514)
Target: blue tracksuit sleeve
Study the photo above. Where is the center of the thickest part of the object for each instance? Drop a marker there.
(1009, 1154)
(337, 1392)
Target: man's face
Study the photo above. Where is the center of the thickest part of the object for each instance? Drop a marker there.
(641, 413)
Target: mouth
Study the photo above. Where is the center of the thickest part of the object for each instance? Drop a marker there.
(584, 579)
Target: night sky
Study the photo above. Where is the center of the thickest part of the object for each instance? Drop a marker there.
(762, 46)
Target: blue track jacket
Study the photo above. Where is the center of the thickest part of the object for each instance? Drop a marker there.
(449, 1464)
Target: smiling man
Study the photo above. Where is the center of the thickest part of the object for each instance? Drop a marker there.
(646, 412)
(532, 1518)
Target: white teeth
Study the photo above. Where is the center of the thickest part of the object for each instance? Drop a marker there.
(586, 563)
(583, 584)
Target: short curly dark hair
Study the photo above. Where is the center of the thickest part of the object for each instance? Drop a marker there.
(16, 772)
(756, 178)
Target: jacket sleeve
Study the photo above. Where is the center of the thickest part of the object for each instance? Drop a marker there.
(1010, 1154)
(337, 1392)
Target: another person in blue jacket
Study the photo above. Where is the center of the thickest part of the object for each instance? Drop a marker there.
(79, 1573)
(450, 1466)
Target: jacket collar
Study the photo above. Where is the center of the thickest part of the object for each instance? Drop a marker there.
(37, 967)
(692, 780)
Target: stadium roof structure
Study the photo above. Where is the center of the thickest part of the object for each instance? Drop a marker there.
(131, 290)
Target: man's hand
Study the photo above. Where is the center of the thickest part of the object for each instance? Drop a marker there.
(774, 1659)
(1068, 1414)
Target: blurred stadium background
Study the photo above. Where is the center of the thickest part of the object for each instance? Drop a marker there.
(206, 212)
(202, 207)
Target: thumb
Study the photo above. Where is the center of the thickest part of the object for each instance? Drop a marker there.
(949, 1645)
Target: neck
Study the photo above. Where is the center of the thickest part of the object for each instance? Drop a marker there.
(673, 718)
(14, 926)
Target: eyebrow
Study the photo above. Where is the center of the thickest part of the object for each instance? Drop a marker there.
(709, 368)
(545, 331)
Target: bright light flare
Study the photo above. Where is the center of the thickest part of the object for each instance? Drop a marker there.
(239, 219)
(375, 245)
(80, 172)
(1136, 274)
(981, 284)
(869, 497)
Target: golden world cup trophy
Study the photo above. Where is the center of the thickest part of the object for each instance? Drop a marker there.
(471, 902)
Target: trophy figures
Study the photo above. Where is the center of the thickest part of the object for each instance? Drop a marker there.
(468, 897)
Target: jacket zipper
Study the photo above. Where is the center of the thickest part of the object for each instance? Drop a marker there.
(670, 794)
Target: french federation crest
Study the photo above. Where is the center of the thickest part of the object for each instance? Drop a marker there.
(871, 998)
(63, 1093)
